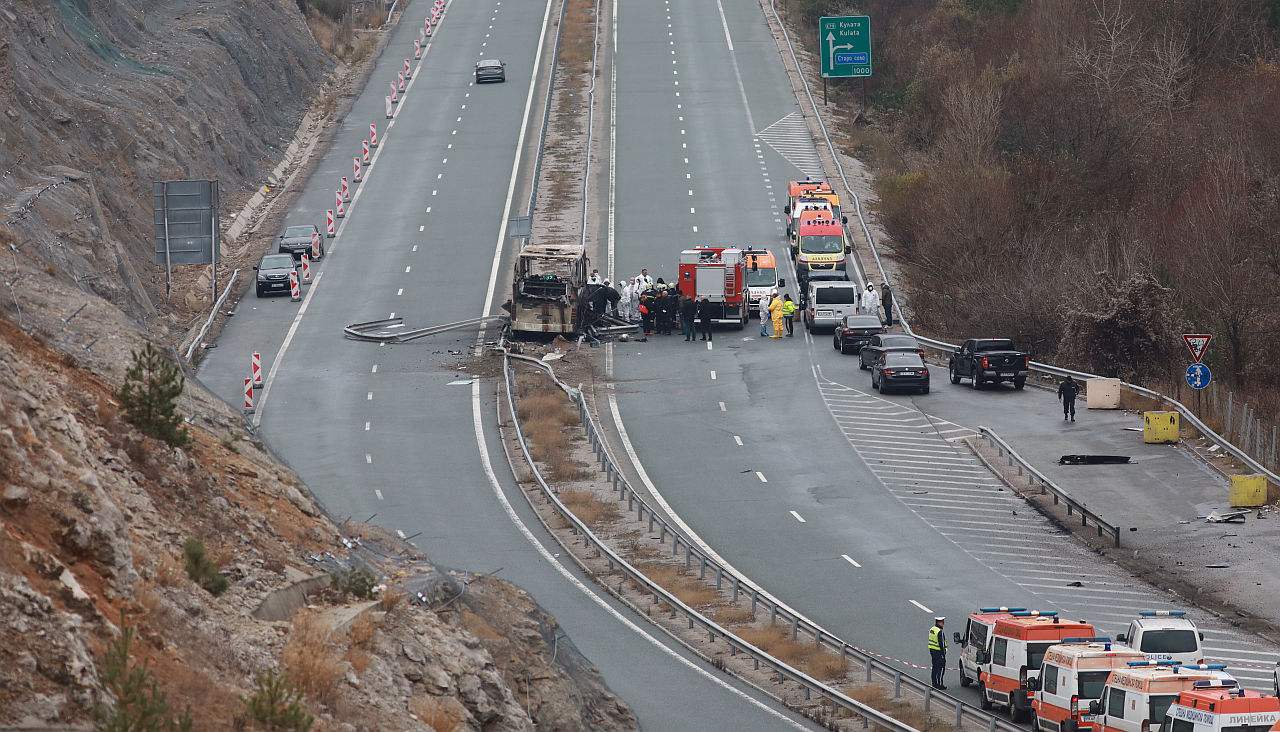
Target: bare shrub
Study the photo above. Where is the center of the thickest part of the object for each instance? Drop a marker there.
(440, 713)
(390, 600)
(311, 657)
(169, 571)
(688, 589)
(588, 508)
(733, 615)
(361, 633)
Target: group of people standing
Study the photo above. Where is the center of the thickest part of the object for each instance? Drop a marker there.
(657, 305)
(780, 310)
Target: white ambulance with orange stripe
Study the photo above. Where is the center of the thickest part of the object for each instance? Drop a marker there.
(976, 639)
(1018, 645)
(1137, 698)
(1073, 674)
(1211, 707)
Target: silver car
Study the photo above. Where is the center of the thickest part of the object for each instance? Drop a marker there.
(828, 302)
(490, 70)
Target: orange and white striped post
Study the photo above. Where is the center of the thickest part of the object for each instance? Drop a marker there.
(339, 210)
(417, 46)
(427, 29)
(373, 135)
(295, 294)
(248, 396)
(395, 97)
(315, 245)
(408, 72)
(328, 226)
(400, 77)
(306, 269)
(364, 152)
(346, 191)
(356, 175)
(256, 363)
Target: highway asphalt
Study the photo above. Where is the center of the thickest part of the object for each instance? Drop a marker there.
(385, 432)
(861, 511)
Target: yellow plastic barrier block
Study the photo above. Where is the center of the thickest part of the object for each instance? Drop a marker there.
(1247, 491)
(1160, 427)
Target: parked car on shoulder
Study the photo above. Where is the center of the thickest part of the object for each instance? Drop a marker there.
(491, 69)
(296, 240)
(900, 370)
(884, 342)
(855, 331)
(989, 360)
(273, 274)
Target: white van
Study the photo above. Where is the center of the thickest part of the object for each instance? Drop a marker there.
(1165, 635)
(1136, 699)
(828, 302)
(1074, 673)
(976, 639)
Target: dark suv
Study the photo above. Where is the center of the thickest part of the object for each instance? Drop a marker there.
(273, 274)
(296, 240)
(490, 70)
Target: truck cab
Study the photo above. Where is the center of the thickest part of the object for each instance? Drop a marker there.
(1165, 635)
(762, 275)
(1211, 707)
(1018, 646)
(1136, 699)
(1073, 674)
(718, 274)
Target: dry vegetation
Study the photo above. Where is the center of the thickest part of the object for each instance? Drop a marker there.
(344, 30)
(545, 412)
(806, 656)
(1088, 177)
(441, 713)
(879, 698)
(312, 656)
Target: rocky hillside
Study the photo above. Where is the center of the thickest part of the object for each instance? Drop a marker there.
(100, 99)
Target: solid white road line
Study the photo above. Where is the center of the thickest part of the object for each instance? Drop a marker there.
(761, 477)
(713, 374)
(922, 607)
(849, 559)
(798, 517)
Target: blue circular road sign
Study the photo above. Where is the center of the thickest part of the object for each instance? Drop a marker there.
(1198, 376)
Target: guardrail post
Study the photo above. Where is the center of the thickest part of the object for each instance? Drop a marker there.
(773, 613)
(795, 628)
(991, 724)
(719, 577)
(688, 558)
(702, 567)
(735, 589)
(631, 503)
(868, 669)
(806, 693)
(675, 544)
(651, 524)
(897, 682)
(928, 697)
(755, 597)
(959, 715)
(662, 537)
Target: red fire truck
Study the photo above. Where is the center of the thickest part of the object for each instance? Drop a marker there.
(720, 275)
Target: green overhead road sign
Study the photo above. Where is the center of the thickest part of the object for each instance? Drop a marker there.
(846, 46)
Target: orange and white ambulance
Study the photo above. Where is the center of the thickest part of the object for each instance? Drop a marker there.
(1211, 707)
(1137, 698)
(796, 190)
(1074, 673)
(976, 639)
(1018, 645)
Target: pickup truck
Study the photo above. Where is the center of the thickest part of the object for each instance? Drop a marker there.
(983, 360)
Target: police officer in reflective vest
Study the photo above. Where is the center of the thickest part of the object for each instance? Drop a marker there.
(938, 652)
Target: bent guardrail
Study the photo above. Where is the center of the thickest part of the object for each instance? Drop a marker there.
(1047, 486)
(739, 588)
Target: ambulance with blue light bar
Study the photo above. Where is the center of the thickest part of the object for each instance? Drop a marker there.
(1137, 698)
(1209, 707)
(1073, 674)
(1165, 635)
(1008, 671)
(976, 639)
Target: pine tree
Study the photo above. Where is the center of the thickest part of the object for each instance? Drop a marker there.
(151, 388)
(139, 705)
(278, 703)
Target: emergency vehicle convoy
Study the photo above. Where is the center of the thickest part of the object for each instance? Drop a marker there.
(1136, 699)
(815, 227)
(762, 276)
(1212, 707)
(1016, 647)
(1073, 674)
(720, 275)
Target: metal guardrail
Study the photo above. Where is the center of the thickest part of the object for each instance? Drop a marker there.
(381, 331)
(739, 588)
(213, 312)
(1186, 413)
(1048, 486)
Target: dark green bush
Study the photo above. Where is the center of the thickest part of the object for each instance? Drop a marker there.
(149, 395)
(201, 569)
(277, 705)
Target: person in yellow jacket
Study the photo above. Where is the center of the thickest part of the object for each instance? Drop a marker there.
(775, 311)
(789, 314)
(938, 652)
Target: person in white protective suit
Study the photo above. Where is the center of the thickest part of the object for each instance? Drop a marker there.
(625, 303)
(870, 304)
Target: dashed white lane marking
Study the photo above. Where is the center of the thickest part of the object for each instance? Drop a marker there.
(849, 559)
(375, 369)
(368, 459)
(738, 440)
(722, 409)
(798, 517)
(424, 226)
(368, 397)
(378, 492)
(713, 375)
(709, 348)
(406, 270)
(761, 477)
(399, 292)
(399, 533)
(415, 248)
(366, 426)
(922, 607)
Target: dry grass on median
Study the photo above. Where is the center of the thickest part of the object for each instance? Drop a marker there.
(805, 656)
(879, 698)
(589, 509)
(678, 581)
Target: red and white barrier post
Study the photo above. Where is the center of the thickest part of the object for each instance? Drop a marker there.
(346, 190)
(408, 72)
(255, 362)
(400, 82)
(373, 135)
(306, 269)
(315, 245)
(417, 46)
(248, 396)
(364, 153)
(427, 29)
(356, 176)
(295, 294)
(328, 224)
(395, 98)
(339, 211)
(388, 107)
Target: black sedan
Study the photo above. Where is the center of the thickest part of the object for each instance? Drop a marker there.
(855, 331)
(273, 274)
(887, 342)
(296, 240)
(900, 370)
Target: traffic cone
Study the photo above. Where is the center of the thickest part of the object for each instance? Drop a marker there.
(306, 269)
(256, 363)
(295, 294)
(248, 396)
(315, 245)
(339, 211)
(373, 135)
(328, 226)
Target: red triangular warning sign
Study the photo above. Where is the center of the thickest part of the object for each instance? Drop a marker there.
(1197, 342)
